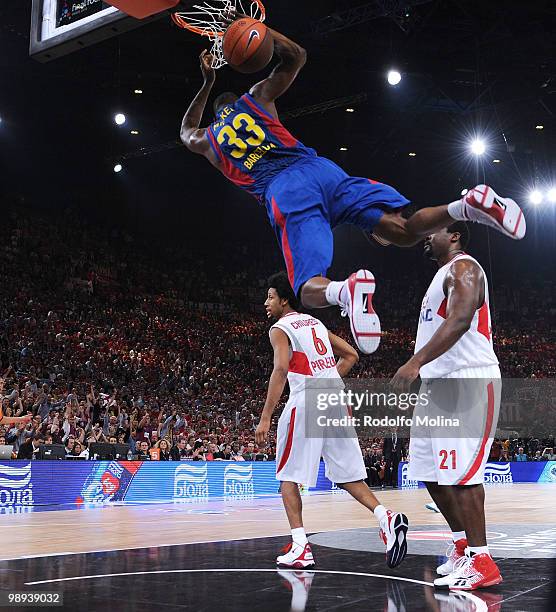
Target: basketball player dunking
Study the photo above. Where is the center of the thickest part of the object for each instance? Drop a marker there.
(454, 341)
(306, 196)
(303, 349)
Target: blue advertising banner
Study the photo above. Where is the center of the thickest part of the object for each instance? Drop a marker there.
(26, 484)
(497, 473)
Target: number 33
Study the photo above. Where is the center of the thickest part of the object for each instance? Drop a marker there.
(229, 135)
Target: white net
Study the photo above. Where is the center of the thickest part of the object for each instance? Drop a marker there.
(207, 19)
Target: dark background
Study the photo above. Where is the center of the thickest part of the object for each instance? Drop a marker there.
(470, 68)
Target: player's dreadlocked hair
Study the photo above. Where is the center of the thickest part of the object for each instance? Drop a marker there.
(280, 283)
(462, 229)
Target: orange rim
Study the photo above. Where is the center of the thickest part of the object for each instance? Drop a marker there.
(181, 22)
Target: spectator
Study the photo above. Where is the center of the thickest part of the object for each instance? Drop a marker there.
(249, 455)
(180, 452)
(521, 456)
(29, 449)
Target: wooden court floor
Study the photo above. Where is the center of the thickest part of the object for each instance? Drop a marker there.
(121, 527)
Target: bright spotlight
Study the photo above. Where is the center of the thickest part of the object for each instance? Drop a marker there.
(350, 110)
(551, 195)
(119, 119)
(464, 191)
(118, 168)
(478, 147)
(394, 77)
(343, 148)
(535, 197)
(138, 91)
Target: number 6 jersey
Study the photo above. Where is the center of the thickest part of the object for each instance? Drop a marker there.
(311, 351)
(253, 147)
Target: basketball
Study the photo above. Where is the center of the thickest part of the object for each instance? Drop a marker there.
(248, 45)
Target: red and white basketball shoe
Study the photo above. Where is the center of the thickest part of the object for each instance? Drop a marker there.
(456, 550)
(358, 306)
(474, 572)
(484, 205)
(295, 555)
(393, 532)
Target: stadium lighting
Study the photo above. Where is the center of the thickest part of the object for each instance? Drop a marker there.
(464, 191)
(138, 92)
(118, 168)
(495, 161)
(477, 147)
(134, 132)
(343, 148)
(394, 77)
(412, 154)
(535, 197)
(551, 195)
(119, 119)
(350, 110)
(539, 127)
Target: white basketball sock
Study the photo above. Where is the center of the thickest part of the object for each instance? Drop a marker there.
(458, 535)
(456, 210)
(299, 536)
(478, 550)
(334, 294)
(379, 512)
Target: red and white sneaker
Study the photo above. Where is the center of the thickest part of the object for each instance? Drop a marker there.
(393, 532)
(295, 555)
(456, 550)
(475, 572)
(484, 205)
(358, 306)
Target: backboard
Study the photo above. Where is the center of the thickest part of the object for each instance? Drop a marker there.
(59, 27)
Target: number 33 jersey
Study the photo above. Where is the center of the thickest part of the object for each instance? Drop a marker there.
(253, 147)
(311, 351)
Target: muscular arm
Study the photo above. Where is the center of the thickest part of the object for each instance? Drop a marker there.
(292, 59)
(348, 356)
(192, 136)
(464, 291)
(279, 375)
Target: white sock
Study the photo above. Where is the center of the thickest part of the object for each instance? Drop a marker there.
(298, 536)
(334, 294)
(456, 210)
(380, 512)
(458, 535)
(477, 550)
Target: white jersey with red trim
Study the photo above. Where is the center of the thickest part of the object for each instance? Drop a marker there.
(473, 349)
(311, 351)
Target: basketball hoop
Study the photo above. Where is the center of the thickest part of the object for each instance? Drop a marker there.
(207, 19)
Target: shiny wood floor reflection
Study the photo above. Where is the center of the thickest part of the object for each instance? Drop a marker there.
(127, 527)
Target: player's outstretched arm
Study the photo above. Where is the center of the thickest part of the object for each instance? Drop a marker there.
(191, 135)
(292, 59)
(348, 356)
(277, 382)
(464, 290)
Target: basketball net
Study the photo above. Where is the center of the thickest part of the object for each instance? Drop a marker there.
(207, 19)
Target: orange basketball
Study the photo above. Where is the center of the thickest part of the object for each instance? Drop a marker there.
(248, 45)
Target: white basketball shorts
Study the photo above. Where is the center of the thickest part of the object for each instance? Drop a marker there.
(298, 457)
(472, 396)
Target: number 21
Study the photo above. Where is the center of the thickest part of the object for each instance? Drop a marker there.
(444, 456)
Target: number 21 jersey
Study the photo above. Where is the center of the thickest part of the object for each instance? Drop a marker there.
(253, 147)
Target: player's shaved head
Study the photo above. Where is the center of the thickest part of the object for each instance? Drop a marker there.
(228, 97)
(461, 228)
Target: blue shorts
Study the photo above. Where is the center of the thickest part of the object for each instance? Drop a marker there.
(308, 199)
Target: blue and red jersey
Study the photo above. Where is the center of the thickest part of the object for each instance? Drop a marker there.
(253, 147)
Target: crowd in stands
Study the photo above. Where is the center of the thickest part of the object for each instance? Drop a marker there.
(102, 341)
